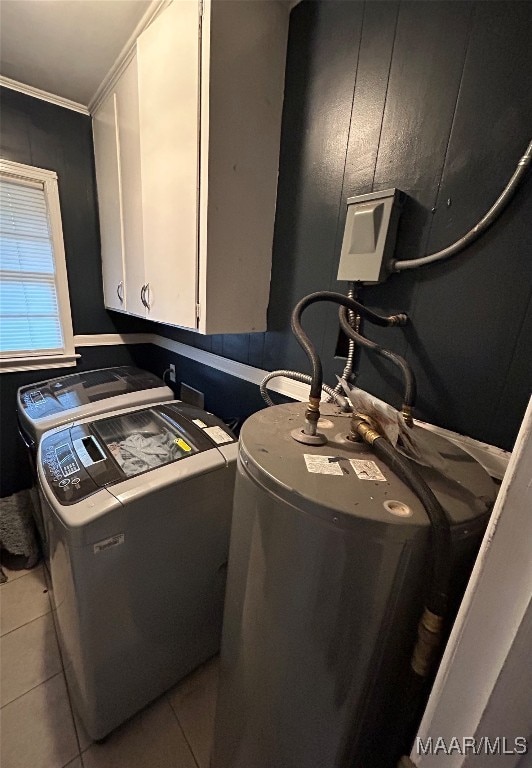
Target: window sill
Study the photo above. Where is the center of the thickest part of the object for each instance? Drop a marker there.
(15, 364)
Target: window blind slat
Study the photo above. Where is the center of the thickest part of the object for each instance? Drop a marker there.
(22, 335)
(29, 261)
(17, 276)
(29, 310)
(24, 226)
(15, 193)
(15, 197)
(33, 296)
(20, 208)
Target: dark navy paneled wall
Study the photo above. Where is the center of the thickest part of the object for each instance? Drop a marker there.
(37, 133)
(434, 98)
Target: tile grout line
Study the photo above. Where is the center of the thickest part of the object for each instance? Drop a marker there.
(72, 760)
(32, 689)
(11, 578)
(167, 697)
(5, 634)
(42, 615)
(71, 708)
(31, 572)
(61, 672)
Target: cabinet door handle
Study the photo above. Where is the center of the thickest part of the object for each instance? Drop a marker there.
(147, 296)
(120, 291)
(142, 290)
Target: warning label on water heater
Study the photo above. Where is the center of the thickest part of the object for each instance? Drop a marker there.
(366, 469)
(323, 465)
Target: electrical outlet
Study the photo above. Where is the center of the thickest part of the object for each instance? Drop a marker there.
(172, 373)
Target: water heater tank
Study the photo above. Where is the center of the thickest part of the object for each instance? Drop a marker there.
(329, 566)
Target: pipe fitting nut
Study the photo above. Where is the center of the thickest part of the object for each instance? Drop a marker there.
(408, 416)
(314, 404)
(429, 633)
(312, 415)
(400, 319)
(361, 428)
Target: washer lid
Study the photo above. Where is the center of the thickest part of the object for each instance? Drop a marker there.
(67, 393)
(96, 454)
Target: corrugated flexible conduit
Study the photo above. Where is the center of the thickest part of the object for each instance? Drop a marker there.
(304, 378)
(410, 389)
(486, 221)
(354, 322)
(334, 394)
(312, 413)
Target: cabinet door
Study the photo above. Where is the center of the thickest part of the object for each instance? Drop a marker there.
(108, 181)
(168, 71)
(127, 112)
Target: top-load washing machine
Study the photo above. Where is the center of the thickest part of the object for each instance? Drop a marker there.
(137, 509)
(47, 404)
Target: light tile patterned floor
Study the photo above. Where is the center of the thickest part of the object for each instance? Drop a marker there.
(38, 726)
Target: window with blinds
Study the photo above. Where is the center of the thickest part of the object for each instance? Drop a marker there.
(33, 322)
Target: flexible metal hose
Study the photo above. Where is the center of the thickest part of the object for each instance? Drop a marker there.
(304, 378)
(354, 322)
(429, 640)
(485, 222)
(308, 346)
(441, 532)
(410, 389)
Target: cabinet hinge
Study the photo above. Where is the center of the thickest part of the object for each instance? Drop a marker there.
(198, 311)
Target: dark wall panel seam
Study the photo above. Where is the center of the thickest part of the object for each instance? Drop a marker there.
(417, 287)
(333, 283)
(341, 195)
(438, 186)
(386, 96)
(339, 216)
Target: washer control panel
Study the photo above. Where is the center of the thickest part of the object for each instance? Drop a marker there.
(64, 472)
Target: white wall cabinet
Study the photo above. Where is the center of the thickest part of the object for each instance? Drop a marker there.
(117, 156)
(107, 174)
(187, 154)
(131, 221)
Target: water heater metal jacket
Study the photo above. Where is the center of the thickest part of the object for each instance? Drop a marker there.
(325, 589)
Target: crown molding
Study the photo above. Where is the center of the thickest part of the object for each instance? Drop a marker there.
(126, 54)
(123, 59)
(37, 93)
